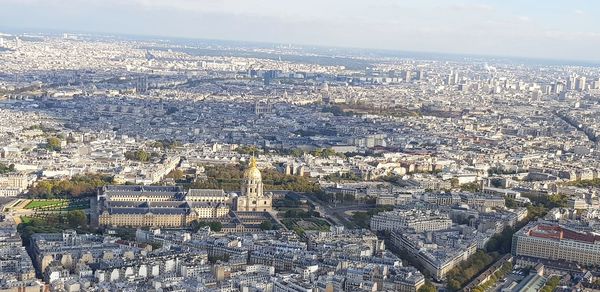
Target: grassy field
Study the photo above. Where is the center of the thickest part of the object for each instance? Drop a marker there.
(25, 219)
(44, 203)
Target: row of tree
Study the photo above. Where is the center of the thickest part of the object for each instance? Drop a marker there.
(53, 223)
(77, 186)
(165, 144)
(348, 176)
(268, 225)
(499, 274)
(460, 275)
(42, 128)
(299, 213)
(229, 178)
(140, 155)
(176, 174)
(551, 284)
(585, 183)
(248, 150)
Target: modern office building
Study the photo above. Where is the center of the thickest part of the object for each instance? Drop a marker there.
(553, 241)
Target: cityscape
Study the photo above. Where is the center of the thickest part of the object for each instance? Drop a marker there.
(145, 163)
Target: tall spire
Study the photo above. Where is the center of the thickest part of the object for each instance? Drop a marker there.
(252, 162)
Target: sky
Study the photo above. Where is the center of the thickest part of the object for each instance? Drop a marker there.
(552, 29)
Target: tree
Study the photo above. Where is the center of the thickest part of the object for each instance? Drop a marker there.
(551, 284)
(176, 174)
(195, 225)
(215, 226)
(297, 152)
(361, 219)
(427, 287)
(142, 155)
(454, 182)
(76, 218)
(510, 202)
(6, 169)
(250, 149)
(266, 225)
(323, 152)
(139, 155)
(585, 183)
(79, 185)
(454, 285)
(468, 269)
(53, 144)
(471, 187)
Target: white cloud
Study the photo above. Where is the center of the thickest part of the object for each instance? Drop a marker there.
(524, 18)
(472, 7)
(567, 35)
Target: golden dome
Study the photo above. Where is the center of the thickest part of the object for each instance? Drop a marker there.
(252, 172)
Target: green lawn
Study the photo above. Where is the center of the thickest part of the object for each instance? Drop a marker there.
(44, 203)
(25, 219)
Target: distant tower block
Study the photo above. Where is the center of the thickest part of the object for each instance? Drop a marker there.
(263, 107)
(141, 84)
(407, 76)
(420, 75)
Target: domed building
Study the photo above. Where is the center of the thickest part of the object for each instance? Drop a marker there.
(171, 207)
(252, 197)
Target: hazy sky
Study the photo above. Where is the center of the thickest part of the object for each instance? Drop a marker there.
(563, 29)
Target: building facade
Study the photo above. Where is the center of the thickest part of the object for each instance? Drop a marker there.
(170, 206)
(419, 220)
(557, 243)
(252, 197)
(13, 184)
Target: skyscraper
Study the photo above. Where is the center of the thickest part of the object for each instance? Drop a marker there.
(407, 76)
(596, 84)
(559, 87)
(571, 83)
(452, 78)
(580, 83)
(141, 85)
(420, 74)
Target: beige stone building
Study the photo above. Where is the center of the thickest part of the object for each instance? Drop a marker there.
(13, 184)
(160, 206)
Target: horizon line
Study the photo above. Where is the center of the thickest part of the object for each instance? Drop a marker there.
(557, 61)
